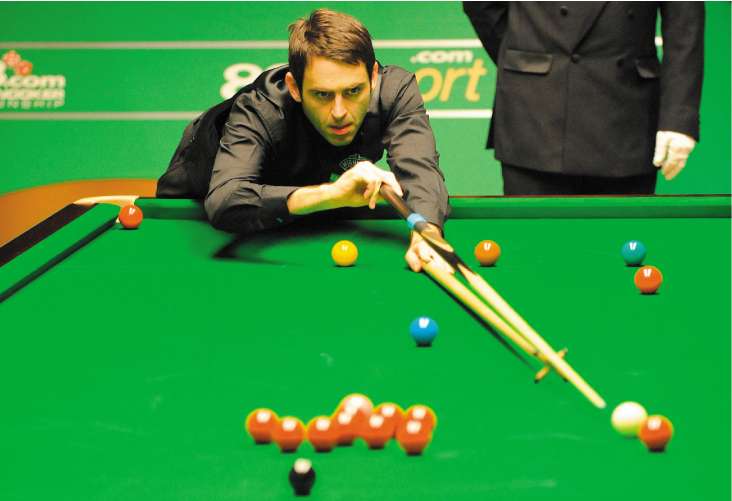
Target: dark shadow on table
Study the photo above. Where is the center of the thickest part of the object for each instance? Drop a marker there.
(248, 248)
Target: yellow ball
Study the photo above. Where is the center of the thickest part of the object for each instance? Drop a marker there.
(344, 253)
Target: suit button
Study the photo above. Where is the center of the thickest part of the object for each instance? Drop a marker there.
(575, 58)
(563, 10)
(631, 14)
(620, 62)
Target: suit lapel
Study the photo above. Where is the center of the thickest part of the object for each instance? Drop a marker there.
(592, 12)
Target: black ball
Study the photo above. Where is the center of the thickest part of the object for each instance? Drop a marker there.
(302, 477)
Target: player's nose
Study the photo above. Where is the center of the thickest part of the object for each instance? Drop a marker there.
(339, 110)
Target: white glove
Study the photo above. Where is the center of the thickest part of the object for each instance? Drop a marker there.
(672, 151)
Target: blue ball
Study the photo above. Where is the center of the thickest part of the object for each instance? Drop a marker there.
(424, 330)
(633, 252)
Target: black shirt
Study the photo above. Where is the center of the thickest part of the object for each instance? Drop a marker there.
(269, 148)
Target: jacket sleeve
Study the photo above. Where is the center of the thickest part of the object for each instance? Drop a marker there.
(411, 153)
(682, 66)
(237, 201)
(489, 21)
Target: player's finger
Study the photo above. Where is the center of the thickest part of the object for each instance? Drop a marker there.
(425, 252)
(367, 191)
(390, 179)
(415, 264)
(428, 255)
(369, 179)
(375, 195)
(361, 168)
(438, 261)
(367, 170)
(659, 154)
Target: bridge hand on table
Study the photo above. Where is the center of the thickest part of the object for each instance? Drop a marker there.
(420, 251)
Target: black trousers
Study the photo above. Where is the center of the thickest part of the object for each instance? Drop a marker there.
(520, 181)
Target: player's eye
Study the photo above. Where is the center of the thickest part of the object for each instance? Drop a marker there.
(354, 91)
(323, 95)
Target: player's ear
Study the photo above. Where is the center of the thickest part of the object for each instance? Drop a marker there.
(374, 75)
(292, 87)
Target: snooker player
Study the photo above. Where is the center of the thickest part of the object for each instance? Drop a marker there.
(269, 154)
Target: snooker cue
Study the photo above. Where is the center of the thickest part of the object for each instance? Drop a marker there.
(469, 299)
(545, 370)
(418, 223)
(559, 364)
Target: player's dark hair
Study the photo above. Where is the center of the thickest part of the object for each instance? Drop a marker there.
(332, 35)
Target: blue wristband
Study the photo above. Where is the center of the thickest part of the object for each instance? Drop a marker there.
(415, 218)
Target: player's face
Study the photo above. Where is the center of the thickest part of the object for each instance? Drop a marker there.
(335, 97)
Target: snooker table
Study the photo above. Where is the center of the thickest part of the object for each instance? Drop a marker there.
(131, 358)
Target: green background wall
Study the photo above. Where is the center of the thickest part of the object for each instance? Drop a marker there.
(136, 73)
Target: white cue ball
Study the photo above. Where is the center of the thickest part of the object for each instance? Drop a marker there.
(628, 417)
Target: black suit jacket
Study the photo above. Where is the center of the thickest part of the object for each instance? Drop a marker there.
(580, 89)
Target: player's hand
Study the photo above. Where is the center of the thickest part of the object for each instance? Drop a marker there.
(672, 152)
(360, 186)
(420, 251)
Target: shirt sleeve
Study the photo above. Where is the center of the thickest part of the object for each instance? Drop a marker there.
(412, 156)
(237, 200)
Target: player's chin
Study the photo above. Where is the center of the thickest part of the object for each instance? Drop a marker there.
(339, 140)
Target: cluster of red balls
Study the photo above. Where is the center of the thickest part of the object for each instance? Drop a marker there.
(355, 418)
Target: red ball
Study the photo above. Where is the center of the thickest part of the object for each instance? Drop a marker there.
(130, 216)
(655, 432)
(377, 431)
(322, 434)
(289, 434)
(423, 414)
(391, 412)
(413, 436)
(648, 279)
(359, 407)
(345, 427)
(260, 423)
(487, 252)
